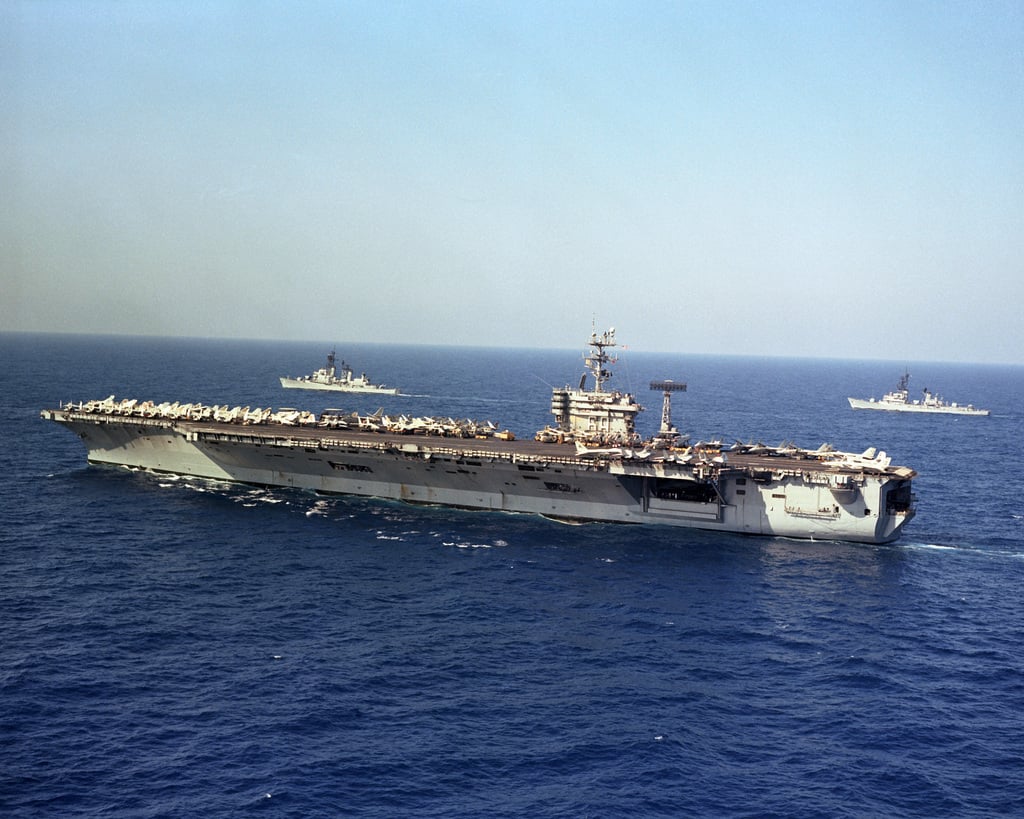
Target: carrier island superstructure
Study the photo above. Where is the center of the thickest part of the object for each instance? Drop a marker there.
(589, 465)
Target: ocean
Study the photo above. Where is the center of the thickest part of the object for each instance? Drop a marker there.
(177, 648)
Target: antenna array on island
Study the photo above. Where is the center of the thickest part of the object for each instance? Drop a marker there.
(668, 386)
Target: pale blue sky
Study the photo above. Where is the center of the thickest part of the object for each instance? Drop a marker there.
(810, 178)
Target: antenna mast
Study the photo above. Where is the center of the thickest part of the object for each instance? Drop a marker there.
(598, 358)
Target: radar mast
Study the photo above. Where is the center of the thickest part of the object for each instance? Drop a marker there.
(668, 434)
(597, 359)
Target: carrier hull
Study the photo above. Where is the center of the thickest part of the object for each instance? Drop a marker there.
(800, 496)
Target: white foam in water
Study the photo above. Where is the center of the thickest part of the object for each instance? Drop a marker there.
(465, 545)
(979, 551)
(318, 508)
(935, 546)
(261, 496)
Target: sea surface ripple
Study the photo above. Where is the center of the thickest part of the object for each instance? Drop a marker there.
(191, 648)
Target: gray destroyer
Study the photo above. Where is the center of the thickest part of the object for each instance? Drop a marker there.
(327, 379)
(899, 400)
(589, 465)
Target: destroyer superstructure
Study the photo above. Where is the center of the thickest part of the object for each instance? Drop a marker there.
(899, 400)
(590, 465)
(327, 379)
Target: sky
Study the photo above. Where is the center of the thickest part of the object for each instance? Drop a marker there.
(827, 179)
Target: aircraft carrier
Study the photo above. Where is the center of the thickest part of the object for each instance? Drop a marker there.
(590, 465)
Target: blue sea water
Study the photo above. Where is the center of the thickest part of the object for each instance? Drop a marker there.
(178, 648)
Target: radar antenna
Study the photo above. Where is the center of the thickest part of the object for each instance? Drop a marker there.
(668, 386)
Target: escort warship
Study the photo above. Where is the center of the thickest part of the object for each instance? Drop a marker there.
(326, 379)
(899, 400)
(589, 465)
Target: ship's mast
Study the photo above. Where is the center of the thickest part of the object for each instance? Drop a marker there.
(598, 358)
